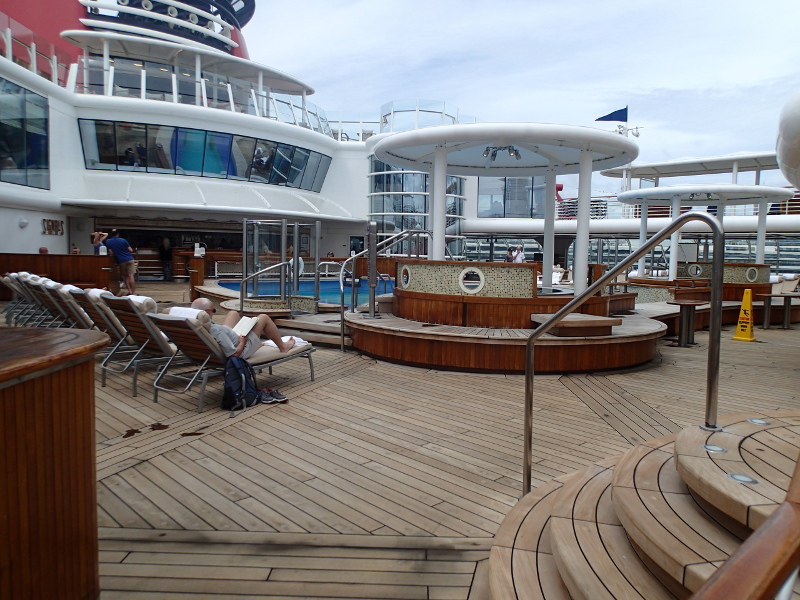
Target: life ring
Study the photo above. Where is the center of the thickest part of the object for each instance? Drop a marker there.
(751, 274)
(694, 270)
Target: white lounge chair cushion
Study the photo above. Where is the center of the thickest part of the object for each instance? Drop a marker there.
(146, 303)
(68, 286)
(267, 353)
(790, 276)
(97, 292)
(191, 313)
(775, 278)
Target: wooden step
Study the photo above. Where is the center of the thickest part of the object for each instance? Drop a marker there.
(594, 556)
(317, 338)
(521, 563)
(665, 522)
(764, 451)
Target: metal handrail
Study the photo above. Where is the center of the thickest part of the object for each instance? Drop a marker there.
(385, 244)
(253, 276)
(714, 327)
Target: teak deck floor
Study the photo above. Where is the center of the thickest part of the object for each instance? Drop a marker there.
(375, 480)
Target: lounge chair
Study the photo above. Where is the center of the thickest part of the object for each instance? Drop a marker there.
(197, 346)
(23, 306)
(143, 344)
(99, 312)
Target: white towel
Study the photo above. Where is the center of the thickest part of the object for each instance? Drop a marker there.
(184, 312)
(297, 341)
(67, 287)
(97, 292)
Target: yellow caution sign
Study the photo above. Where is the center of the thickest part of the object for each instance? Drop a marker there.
(744, 327)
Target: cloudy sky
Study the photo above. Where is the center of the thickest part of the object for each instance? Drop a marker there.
(700, 78)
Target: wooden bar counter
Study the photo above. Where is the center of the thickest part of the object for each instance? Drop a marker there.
(48, 498)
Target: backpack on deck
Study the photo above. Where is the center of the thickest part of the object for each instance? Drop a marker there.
(241, 390)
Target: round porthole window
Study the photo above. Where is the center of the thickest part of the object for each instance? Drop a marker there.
(751, 274)
(694, 270)
(471, 280)
(405, 277)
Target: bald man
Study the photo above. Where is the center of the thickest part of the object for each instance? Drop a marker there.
(244, 345)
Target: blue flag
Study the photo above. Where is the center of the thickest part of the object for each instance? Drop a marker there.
(617, 115)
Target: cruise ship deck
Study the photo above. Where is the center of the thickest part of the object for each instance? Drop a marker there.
(375, 480)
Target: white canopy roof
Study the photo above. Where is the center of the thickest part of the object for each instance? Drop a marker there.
(213, 61)
(540, 145)
(682, 167)
(706, 195)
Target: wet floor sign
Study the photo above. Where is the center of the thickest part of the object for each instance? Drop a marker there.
(744, 326)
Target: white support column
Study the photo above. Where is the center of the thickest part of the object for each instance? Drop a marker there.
(580, 272)
(735, 172)
(106, 66)
(143, 83)
(761, 231)
(9, 48)
(199, 91)
(548, 252)
(758, 177)
(34, 67)
(674, 240)
(437, 203)
(642, 239)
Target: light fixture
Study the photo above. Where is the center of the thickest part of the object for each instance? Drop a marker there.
(708, 196)
(493, 150)
(23, 223)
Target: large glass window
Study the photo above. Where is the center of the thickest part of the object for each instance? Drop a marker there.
(160, 148)
(218, 151)
(109, 145)
(127, 77)
(263, 160)
(24, 154)
(299, 161)
(311, 171)
(282, 164)
(322, 171)
(159, 82)
(131, 146)
(242, 151)
(99, 148)
(189, 155)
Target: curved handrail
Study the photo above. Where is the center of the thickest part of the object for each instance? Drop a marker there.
(253, 276)
(383, 244)
(715, 324)
(761, 565)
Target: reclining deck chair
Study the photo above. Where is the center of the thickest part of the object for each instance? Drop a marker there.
(143, 343)
(23, 306)
(200, 349)
(67, 300)
(99, 312)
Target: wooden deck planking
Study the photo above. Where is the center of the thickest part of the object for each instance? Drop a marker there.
(374, 451)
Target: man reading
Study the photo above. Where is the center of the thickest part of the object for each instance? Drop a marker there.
(245, 346)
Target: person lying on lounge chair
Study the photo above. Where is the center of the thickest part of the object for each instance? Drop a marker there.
(245, 346)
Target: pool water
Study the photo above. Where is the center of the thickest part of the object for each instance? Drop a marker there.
(328, 289)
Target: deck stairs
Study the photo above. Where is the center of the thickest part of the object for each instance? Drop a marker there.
(652, 524)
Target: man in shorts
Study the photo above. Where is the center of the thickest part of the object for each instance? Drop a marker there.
(244, 345)
(123, 254)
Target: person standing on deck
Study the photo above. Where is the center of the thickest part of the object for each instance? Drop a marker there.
(165, 254)
(123, 254)
(519, 255)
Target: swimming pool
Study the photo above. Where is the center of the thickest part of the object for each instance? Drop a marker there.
(328, 289)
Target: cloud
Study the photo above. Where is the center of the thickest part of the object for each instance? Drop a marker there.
(701, 78)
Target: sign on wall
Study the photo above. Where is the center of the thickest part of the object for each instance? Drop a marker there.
(52, 227)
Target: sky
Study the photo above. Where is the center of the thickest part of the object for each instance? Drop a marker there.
(700, 78)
